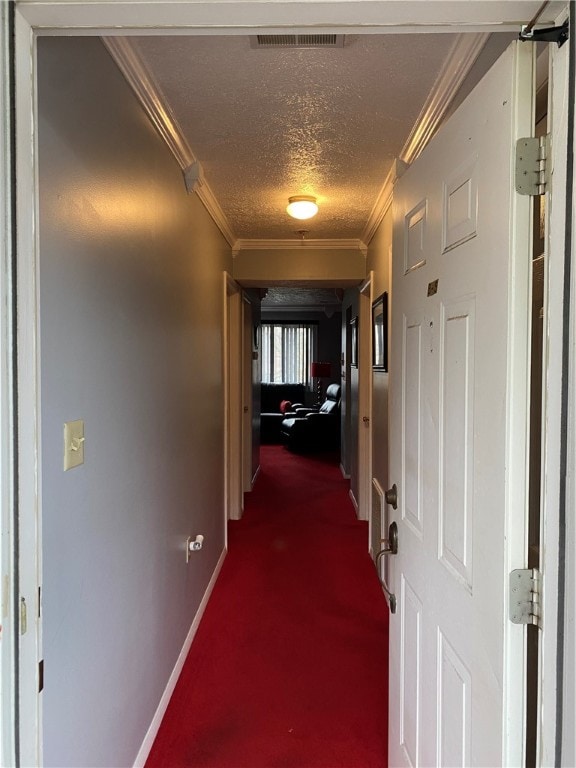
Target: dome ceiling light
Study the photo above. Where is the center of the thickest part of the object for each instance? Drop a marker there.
(302, 206)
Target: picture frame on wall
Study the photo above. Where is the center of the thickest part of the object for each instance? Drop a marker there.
(354, 342)
(380, 333)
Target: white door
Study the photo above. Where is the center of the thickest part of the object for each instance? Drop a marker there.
(459, 378)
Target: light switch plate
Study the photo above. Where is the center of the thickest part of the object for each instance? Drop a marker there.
(73, 444)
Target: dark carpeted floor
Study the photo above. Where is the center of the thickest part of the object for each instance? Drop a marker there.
(288, 668)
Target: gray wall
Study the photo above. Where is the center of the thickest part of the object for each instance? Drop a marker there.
(131, 342)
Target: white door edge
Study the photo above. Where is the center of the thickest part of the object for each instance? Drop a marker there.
(7, 541)
(29, 748)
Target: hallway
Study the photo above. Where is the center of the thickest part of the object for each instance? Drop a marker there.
(289, 665)
(139, 260)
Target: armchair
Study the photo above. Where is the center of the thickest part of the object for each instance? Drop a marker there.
(272, 395)
(309, 429)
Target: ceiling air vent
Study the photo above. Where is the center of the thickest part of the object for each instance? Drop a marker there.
(297, 41)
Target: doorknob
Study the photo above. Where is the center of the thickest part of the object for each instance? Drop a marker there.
(391, 596)
(390, 549)
(391, 496)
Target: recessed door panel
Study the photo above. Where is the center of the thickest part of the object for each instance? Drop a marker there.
(415, 237)
(460, 205)
(411, 614)
(456, 439)
(454, 692)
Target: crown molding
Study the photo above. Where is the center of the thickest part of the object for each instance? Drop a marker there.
(352, 244)
(463, 54)
(383, 201)
(196, 182)
(150, 96)
(152, 100)
(458, 64)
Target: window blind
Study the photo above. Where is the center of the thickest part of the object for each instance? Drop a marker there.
(287, 352)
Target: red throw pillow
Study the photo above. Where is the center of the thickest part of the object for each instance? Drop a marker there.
(285, 405)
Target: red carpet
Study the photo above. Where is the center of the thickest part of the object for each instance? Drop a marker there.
(288, 668)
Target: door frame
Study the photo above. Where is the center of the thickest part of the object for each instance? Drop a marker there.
(559, 425)
(364, 425)
(247, 395)
(122, 17)
(233, 432)
(8, 645)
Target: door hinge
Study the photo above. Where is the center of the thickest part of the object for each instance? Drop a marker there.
(524, 596)
(532, 172)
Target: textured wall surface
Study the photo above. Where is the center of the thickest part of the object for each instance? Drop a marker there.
(131, 342)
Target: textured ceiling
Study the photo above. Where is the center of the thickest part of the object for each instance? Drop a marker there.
(267, 124)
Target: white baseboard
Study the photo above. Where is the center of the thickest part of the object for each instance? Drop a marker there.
(353, 500)
(152, 732)
(345, 474)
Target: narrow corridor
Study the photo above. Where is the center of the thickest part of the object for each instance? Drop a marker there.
(289, 665)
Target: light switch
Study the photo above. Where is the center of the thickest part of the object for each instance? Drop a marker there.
(73, 444)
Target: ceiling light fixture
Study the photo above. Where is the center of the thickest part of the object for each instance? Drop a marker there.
(302, 206)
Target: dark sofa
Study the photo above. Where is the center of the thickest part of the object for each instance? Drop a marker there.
(271, 395)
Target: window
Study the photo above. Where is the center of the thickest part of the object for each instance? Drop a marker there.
(287, 352)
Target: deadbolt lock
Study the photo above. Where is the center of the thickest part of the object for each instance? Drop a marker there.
(391, 496)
